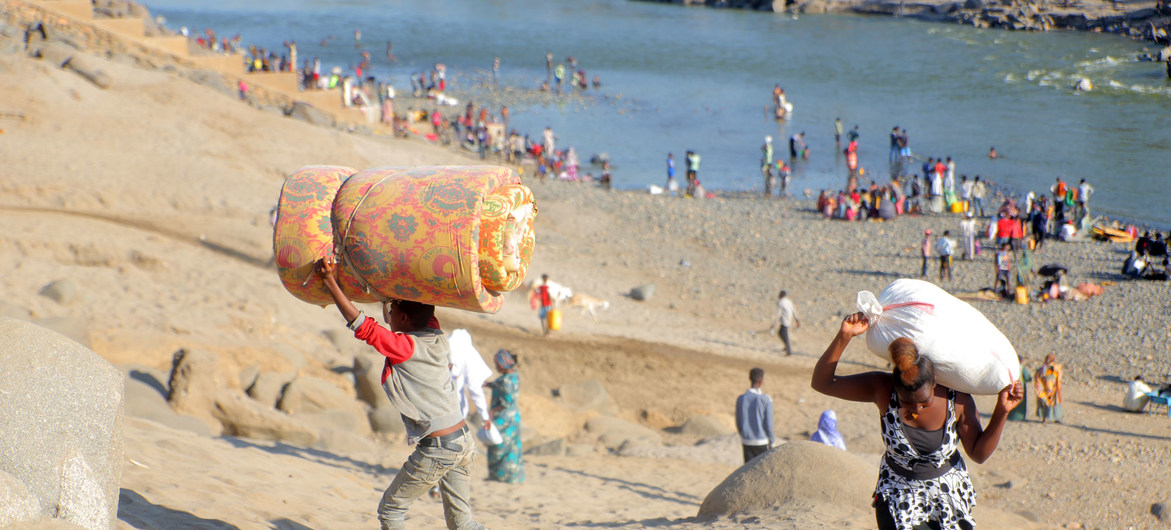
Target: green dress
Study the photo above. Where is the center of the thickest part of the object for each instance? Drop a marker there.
(506, 461)
(1021, 411)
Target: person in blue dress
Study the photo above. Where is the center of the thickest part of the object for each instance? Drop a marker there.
(506, 460)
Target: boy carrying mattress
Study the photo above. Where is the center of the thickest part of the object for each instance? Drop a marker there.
(418, 383)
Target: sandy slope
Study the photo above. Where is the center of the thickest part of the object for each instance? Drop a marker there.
(153, 196)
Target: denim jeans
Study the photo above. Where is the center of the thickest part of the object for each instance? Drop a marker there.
(446, 466)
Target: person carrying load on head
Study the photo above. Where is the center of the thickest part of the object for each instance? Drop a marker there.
(418, 383)
(922, 478)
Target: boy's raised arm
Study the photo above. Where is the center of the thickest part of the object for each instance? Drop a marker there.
(327, 268)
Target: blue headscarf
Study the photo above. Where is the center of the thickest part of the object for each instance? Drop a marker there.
(505, 359)
(827, 431)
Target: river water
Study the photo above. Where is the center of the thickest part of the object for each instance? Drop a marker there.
(678, 78)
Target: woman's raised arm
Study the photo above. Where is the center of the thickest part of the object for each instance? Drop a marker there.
(870, 386)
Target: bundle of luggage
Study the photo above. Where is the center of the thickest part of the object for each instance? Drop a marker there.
(455, 237)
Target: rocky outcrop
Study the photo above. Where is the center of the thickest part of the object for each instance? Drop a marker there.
(1023, 15)
(61, 443)
(707, 426)
(614, 433)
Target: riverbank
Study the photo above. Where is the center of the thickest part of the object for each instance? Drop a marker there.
(163, 232)
(1144, 20)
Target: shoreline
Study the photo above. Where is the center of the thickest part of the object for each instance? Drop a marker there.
(1134, 20)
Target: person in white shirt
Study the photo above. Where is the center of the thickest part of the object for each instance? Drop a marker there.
(785, 318)
(937, 203)
(1136, 395)
(468, 372)
(949, 181)
(969, 231)
(1084, 190)
(945, 247)
(966, 187)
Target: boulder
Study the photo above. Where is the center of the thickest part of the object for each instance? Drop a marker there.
(349, 420)
(550, 418)
(386, 421)
(195, 380)
(613, 432)
(581, 450)
(550, 448)
(17, 503)
(248, 376)
(341, 442)
(89, 69)
(643, 293)
(60, 291)
(55, 53)
(706, 426)
(368, 380)
(74, 468)
(245, 417)
(310, 114)
(310, 394)
(145, 401)
(268, 387)
(585, 396)
(804, 472)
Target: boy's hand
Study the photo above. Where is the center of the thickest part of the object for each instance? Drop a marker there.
(326, 268)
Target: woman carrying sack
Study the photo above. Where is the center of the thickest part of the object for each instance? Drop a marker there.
(922, 479)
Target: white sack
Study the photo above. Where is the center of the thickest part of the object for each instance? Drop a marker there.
(970, 354)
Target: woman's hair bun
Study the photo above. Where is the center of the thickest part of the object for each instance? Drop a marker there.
(905, 356)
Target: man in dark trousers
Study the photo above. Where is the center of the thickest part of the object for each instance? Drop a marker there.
(754, 417)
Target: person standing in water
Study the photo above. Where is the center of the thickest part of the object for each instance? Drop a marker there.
(672, 186)
(766, 164)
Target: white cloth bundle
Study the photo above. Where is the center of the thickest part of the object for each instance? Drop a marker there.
(970, 354)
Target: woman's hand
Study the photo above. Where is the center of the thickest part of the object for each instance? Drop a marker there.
(855, 324)
(1010, 397)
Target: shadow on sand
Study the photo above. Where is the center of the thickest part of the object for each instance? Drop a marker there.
(314, 455)
(136, 511)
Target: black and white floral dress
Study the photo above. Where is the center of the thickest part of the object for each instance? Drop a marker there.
(947, 499)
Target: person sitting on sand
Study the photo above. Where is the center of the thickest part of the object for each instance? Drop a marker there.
(922, 479)
(1137, 397)
(827, 431)
(418, 383)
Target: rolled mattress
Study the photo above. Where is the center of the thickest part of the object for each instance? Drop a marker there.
(450, 236)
